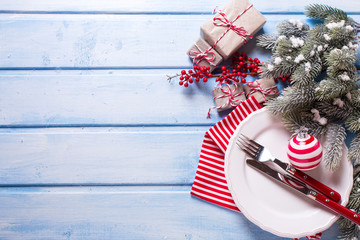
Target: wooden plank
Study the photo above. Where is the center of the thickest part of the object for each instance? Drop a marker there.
(120, 213)
(106, 41)
(159, 6)
(136, 97)
(100, 156)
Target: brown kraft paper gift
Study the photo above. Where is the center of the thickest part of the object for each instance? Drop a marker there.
(262, 89)
(228, 96)
(249, 23)
(198, 52)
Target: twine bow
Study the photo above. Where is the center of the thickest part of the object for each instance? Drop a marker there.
(230, 95)
(223, 21)
(205, 55)
(256, 87)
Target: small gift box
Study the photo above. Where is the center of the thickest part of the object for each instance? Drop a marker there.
(231, 27)
(262, 89)
(228, 96)
(203, 55)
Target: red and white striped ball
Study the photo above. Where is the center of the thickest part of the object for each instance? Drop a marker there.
(304, 153)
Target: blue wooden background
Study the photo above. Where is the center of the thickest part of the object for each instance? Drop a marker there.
(94, 141)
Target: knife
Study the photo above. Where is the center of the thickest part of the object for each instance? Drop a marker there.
(301, 187)
(309, 180)
(261, 153)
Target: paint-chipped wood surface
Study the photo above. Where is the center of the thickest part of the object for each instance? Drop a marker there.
(95, 143)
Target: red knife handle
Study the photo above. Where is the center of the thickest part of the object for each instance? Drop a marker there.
(320, 187)
(336, 207)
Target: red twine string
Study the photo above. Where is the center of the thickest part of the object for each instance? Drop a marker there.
(199, 56)
(256, 87)
(231, 95)
(222, 21)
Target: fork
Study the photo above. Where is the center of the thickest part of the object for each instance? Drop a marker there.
(260, 153)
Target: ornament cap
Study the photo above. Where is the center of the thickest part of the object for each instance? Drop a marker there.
(303, 133)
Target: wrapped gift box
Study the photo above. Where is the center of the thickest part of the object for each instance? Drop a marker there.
(228, 96)
(203, 55)
(262, 89)
(230, 28)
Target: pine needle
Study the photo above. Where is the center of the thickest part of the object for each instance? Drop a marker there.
(333, 149)
(321, 12)
(348, 229)
(353, 121)
(354, 150)
(267, 40)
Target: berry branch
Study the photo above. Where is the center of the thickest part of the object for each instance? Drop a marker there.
(242, 66)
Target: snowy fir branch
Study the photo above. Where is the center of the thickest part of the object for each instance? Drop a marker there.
(294, 121)
(338, 109)
(321, 12)
(324, 94)
(293, 27)
(333, 149)
(354, 150)
(267, 41)
(348, 229)
(353, 121)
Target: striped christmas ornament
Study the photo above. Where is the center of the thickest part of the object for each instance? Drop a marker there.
(304, 151)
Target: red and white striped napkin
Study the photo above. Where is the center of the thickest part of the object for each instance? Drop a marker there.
(210, 182)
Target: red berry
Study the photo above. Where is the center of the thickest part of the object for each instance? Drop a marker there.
(223, 68)
(243, 80)
(241, 58)
(244, 75)
(205, 79)
(224, 72)
(181, 83)
(186, 84)
(191, 80)
(187, 77)
(284, 79)
(208, 68)
(190, 71)
(210, 75)
(181, 78)
(250, 59)
(183, 72)
(197, 79)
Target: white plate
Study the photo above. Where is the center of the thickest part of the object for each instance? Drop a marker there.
(273, 206)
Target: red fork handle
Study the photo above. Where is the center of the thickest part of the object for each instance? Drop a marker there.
(312, 182)
(336, 207)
